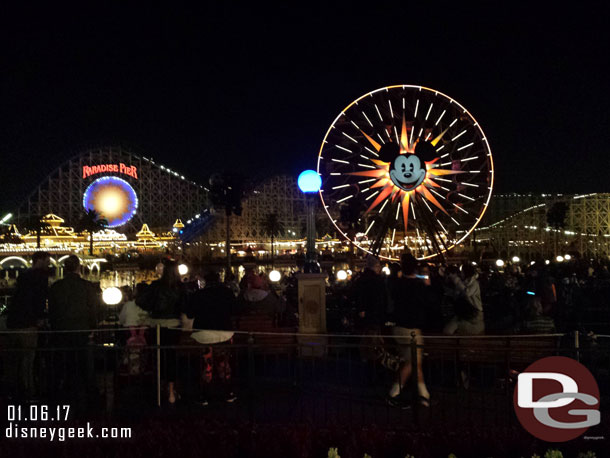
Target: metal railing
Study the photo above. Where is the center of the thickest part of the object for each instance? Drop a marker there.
(284, 376)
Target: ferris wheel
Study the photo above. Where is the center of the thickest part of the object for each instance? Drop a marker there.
(405, 168)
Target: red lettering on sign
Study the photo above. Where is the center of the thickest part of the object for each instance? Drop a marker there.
(130, 170)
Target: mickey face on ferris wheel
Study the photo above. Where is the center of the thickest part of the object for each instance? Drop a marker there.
(408, 171)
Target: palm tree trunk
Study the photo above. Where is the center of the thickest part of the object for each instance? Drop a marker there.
(272, 250)
(228, 243)
(90, 243)
(38, 231)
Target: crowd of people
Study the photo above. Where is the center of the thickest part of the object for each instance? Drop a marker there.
(68, 314)
(471, 299)
(407, 300)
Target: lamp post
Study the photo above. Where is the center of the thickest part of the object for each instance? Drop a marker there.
(309, 183)
(311, 283)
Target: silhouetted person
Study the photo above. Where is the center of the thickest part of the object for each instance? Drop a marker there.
(411, 298)
(369, 293)
(165, 299)
(26, 313)
(72, 307)
(212, 308)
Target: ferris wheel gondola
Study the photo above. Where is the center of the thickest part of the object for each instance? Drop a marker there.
(405, 168)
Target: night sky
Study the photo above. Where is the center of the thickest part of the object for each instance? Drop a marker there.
(255, 89)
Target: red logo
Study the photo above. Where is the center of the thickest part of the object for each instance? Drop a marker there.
(557, 399)
(130, 170)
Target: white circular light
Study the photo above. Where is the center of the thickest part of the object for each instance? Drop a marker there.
(515, 259)
(567, 257)
(112, 296)
(349, 272)
(183, 269)
(386, 270)
(275, 276)
(499, 263)
(532, 263)
(559, 258)
(342, 275)
(547, 262)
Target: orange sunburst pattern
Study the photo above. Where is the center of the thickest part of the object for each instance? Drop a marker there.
(411, 150)
(388, 186)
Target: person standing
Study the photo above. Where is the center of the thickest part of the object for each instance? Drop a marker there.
(468, 307)
(410, 302)
(73, 303)
(165, 300)
(369, 294)
(211, 309)
(25, 315)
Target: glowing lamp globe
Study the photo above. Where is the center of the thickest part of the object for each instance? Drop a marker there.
(386, 270)
(567, 257)
(275, 276)
(547, 262)
(559, 258)
(500, 263)
(183, 269)
(112, 296)
(342, 275)
(516, 259)
(309, 181)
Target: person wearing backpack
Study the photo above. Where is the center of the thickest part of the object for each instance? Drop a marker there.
(165, 301)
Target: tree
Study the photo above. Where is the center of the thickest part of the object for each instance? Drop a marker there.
(350, 217)
(556, 218)
(273, 227)
(36, 224)
(226, 193)
(91, 221)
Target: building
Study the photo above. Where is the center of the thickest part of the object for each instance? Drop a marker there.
(128, 190)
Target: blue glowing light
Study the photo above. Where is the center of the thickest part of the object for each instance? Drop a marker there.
(309, 181)
(113, 198)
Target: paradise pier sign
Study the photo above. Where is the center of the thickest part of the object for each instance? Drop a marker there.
(130, 170)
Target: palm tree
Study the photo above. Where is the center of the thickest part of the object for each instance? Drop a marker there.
(227, 192)
(36, 224)
(91, 221)
(556, 218)
(273, 227)
(350, 218)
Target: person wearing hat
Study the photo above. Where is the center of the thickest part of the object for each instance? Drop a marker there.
(258, 299)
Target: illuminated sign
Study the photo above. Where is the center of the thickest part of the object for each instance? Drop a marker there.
(130, 170)
(113, 198)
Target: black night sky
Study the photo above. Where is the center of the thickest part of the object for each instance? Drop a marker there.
(202, 90)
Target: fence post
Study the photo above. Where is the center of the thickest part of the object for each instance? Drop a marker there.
(158, 365)
(577, 345)
(414, 375)
(251, 376)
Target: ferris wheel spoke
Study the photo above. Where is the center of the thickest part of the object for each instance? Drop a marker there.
(441, 204)
(382, 195)
(432, 199)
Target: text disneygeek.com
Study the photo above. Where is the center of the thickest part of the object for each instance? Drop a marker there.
(18, 428)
